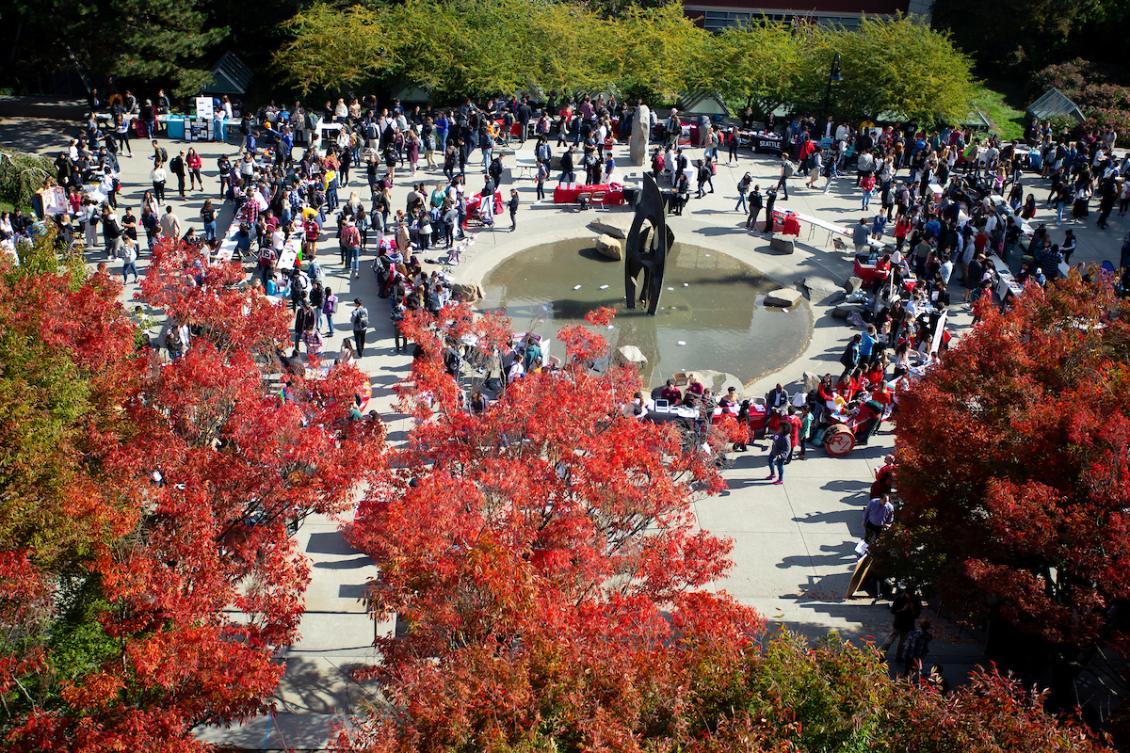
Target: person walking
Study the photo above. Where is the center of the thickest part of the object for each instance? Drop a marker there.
(787, 170)
(329, 308)
(906, 607)
(359, 319)
(917, 648)
(743, 187)
(779, 451)
(208, 217)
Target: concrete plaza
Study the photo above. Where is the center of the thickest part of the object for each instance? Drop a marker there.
(793, 544)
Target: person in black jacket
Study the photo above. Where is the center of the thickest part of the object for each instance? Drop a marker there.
(755, 204)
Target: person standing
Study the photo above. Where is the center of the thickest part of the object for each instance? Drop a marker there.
(770, 200)
(878, 516)
(359, 319)
(129, 258)
(303, 321)
(755, 204)
(194, 164)
(170, 224)
(178, 168)
(158, 177)
(351, 242)
(543, 173)
(779, 451)
(512, 205)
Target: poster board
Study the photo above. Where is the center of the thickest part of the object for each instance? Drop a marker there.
(205, 107)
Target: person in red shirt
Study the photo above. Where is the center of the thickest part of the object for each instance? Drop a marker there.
(794, 428)
(902, 229)
(310, 231)
(671, 393)
(884, 478)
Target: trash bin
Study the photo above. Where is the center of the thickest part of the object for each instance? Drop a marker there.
(175, 126)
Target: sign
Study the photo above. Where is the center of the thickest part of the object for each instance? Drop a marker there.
(55, 201)
(199, 131)
(204, 107)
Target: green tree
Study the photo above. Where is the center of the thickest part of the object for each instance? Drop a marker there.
(1025, 33)
(329, 48)
(21, 175)
(152, 41)
(164, 40)
(896, 67)
(757, 65)
(654, 52)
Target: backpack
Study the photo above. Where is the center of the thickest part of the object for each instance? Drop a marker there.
(790, 168)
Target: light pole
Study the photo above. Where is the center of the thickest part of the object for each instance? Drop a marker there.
(833, 75)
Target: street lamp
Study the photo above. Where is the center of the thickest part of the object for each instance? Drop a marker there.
(833, 75)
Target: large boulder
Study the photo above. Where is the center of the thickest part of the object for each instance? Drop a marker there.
(637, 141)
(810, 381)
(609, 247)
(615, 225)
(781, 245)
(823, 290)
(782, 297)
(844, 310)
(466, 292)
(630, 354)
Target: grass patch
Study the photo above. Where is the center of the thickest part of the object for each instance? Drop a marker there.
(1007, 121)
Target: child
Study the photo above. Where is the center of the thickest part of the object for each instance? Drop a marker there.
(805, 429)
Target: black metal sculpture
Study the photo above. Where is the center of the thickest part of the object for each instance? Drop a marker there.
(646, 248)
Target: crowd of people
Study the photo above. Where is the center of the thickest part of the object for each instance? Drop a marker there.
(937, 204)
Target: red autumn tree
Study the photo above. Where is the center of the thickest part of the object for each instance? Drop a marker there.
(1014, 472)
(550, 592)
(136, 610)
(542, 555)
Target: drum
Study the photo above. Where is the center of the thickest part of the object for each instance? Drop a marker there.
(838, 440)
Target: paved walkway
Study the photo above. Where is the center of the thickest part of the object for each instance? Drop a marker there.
(793, 544)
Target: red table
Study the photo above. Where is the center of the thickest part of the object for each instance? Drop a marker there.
(515, 127)
(870, 275)
(473, 206)
(688, 135)
(569, 193)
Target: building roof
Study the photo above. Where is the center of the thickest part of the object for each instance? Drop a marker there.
(229, 76)
(703, 103)
(1054, 103)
